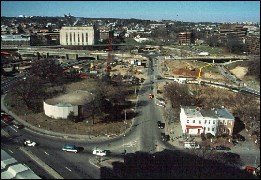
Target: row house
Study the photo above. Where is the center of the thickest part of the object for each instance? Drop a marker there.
(196, 121)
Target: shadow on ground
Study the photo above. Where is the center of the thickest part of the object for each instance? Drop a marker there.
(169, 164)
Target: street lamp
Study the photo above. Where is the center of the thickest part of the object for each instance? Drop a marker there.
(125, 122)
(89, 129)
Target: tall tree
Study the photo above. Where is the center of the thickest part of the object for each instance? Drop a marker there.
(47, 69)
(29, 91)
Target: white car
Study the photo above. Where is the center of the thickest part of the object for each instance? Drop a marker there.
(30, 143)
(99, 152)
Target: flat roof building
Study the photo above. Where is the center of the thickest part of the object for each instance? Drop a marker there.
(77, 36)
(195, 121)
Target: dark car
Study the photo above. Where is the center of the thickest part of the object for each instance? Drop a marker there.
(7, 118)
(234, 142)
(222, 148)
(159, 123)
(18, 126)
(161, 126)
(238, 137)
(165, 137)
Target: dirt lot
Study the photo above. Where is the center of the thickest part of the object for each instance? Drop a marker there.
(239, 72)
(189, 68)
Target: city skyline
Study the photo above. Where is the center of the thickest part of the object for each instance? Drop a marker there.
(187, 11)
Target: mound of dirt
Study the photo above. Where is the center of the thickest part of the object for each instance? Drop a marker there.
(239, 71)
(186, 72)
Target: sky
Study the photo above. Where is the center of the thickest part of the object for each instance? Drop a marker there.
(187, 11)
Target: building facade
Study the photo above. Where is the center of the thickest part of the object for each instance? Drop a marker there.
(196, 121)
(77, 36)
(235, 31)
(185, 38)
(15, 40)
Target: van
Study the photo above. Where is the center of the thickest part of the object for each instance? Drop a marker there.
(191, 145)
(70, 148)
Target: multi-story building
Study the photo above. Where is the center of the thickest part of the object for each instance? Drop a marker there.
(77, 36)
(45, 38)
(104, 33)
(195, 121)
(15, 40)
(253, 44)
(185, 38)
(236, 31)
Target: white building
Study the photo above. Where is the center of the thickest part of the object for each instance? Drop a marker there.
(61, 106)
(195, 121)
(77, 36)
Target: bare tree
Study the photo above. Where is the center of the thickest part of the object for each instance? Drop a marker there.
(177, 94)
(29, 91)
(47, 69)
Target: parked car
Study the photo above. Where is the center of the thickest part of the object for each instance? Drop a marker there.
(3, 113)
(234, 142)
(238, 137)
(30, 143)
(191, 145)
(161, 126)
(18, 126)
(151, 96)
(70, 148)
(253, 170)
(222, 148)
(7, 118)
(165, 137)
(99, 152)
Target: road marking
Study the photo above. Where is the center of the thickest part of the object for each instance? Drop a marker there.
(46, 153)
(10, 151)
(68, 168)
(12, 128)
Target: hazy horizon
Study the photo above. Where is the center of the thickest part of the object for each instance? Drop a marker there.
(187, 11)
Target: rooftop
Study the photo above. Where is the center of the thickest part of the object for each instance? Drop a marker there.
(70, 99)
(193, 111)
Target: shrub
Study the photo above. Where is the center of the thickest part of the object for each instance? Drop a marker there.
(209, 136)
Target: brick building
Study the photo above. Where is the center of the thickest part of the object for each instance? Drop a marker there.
(237, 31)
(185, 38)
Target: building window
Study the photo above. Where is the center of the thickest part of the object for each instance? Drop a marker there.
(70, 37)
(225, 122)
(193, 121)
(205, 121)
(214, 122)
(208, 128)
(213, 129)
(86, 38)
(74, 37)
(78, 38)
(82, 38)
(199, 121)
(208, 121)
(66, 37)
(187, 121)
(224, 130)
